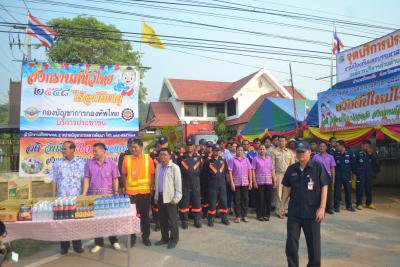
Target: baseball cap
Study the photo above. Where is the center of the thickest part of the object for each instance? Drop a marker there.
(302, 146)
(189, 141)
(216, 147)
(162, 140)
(202, 141)
(209, 144)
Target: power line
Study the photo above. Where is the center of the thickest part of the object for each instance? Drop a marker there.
(11, 15)
(79, 6)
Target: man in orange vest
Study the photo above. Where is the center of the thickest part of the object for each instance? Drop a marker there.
(138, 174)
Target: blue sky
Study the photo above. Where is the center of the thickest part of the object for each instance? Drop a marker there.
(172, 62)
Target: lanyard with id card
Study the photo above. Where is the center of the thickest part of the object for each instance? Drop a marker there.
(310, 184)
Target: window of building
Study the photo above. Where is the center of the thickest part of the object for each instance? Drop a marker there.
(231, 107)
(213, 109)
(193, 109)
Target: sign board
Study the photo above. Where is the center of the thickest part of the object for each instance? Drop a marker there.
(79, 102)
(359, 106)
(369, 61)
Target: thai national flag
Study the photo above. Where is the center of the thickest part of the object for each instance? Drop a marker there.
(43, 33)
(337, 43)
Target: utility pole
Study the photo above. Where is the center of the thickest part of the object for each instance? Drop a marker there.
(294, 100)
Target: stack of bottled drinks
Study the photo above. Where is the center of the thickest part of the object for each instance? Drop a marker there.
(112, 206)
(42, 211)
(64, 208)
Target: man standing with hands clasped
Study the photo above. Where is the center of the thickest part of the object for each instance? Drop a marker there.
(306, 182)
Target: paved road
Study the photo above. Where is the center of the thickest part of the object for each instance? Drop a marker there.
(364, 238)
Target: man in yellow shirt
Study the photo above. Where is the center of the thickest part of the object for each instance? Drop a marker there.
(138, 174)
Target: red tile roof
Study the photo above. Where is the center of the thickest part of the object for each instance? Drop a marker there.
(297, 93)
(207, 91)
(164, 115)
(246, 116)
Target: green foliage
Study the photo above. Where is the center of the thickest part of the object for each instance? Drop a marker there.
(143, 109)
(4, 113)
(88, 40)
(220, 128)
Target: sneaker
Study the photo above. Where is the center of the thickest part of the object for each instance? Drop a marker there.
(337, 210)
(237, 220)
(245, 219)
(211, 223)
(161, 242)
(330, 212)
(116, 246)
(147, 242)
(266, 219)
(79, 250)
(185, 225)
(171, 245)
(351, 209)
(225, 221)
(359, 207)
(95, 249)
(371, 206)
(260, 219)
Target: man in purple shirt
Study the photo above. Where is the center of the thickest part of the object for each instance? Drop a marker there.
(240, 177)
(101, 178)
(329, 163)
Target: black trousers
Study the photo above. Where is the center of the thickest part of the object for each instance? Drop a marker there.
(241, 200)
(142, 202)
(329, 200)
(167, 215)
(364, 183)
(154, 209)
(229, 195)
(347, 192)
(204, 193)
(312, 233)
(217, 192)
(263, 203)
(99, 241)
(76, 244)
(190, 202)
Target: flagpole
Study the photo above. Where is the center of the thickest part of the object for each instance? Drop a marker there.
(333, 39)
(294, 99)
(28, 44)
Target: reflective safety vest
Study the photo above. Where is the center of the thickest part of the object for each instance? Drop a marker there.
(138, 185)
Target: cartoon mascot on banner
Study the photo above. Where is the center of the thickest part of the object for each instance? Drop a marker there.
(126, 82)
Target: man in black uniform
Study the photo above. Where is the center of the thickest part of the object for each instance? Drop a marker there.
(332, 146)
(162, 142)
(202, 147)
(216, 169)
(365, 163)
(345, 165)
(306, 182)
(204, 179)
(190, 164)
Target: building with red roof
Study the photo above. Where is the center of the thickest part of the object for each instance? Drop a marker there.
(198, 102)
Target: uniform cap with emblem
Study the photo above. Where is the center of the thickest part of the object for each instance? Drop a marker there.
(216, 147)
(190, 142)
(209, 144)
(202, 141)
(162, 140)
(302, 146)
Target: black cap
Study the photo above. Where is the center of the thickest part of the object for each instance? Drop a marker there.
(302, 146)
(162, 140)
(216, 147)
(202, 141)
(209, 144)
(189, 141)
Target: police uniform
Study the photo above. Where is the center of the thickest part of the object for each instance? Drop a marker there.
(365, 163)
(305, 199)
(216, 174)
(190, 166)
(204, 181)
(344, 167)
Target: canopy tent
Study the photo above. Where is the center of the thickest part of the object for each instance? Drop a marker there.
(276, 115)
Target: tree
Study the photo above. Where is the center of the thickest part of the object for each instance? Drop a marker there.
(174, 136)
(220, 128)
(4, 113)
(88, 40)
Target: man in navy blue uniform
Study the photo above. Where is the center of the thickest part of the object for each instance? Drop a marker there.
(204, 179)
(365, 162)
(190, 164)
(345, 166)
(306, 182)
(332, 146)
(216, 169)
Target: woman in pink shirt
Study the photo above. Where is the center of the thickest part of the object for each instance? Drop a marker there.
(240, 177)
(263, 180)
